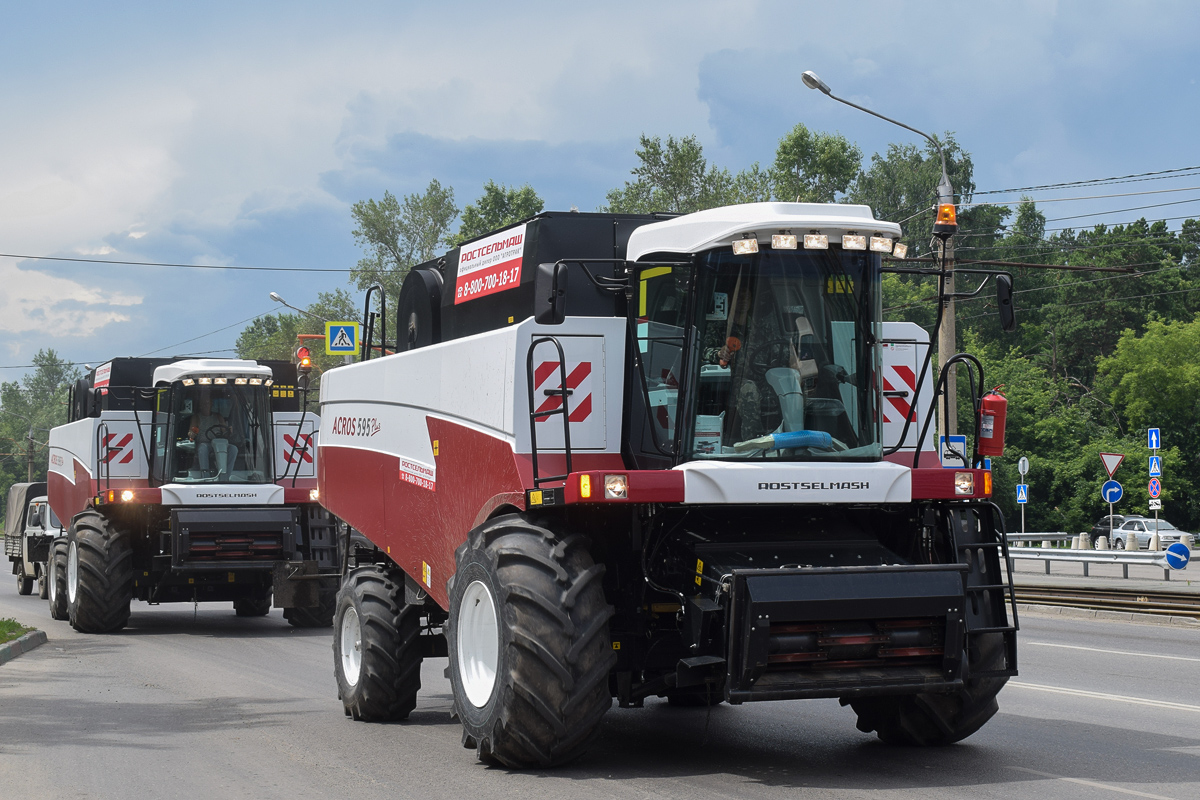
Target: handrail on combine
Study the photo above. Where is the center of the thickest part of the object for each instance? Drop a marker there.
(534, 413)
(102, 465)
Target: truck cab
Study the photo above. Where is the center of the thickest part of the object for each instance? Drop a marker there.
(213, 424)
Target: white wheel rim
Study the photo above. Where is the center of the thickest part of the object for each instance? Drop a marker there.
(72, 573)
(52, 586)
(478, 643)
(351, 646)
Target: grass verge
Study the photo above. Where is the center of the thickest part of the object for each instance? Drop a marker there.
(10, 629)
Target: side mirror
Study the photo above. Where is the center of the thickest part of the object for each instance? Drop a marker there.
(550, 294)
(1004, 301)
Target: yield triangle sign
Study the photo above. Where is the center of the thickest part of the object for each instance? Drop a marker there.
(1111, 461)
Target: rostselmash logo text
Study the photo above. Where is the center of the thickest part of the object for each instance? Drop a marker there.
(814, 486)
(225, 495)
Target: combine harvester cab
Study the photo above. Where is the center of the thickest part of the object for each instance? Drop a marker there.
(633, 456)
(185, 481)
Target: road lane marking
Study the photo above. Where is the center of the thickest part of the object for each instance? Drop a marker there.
(1113, 652)
(1141, 701)
(1093, 784)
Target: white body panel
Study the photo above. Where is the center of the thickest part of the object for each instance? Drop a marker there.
(77, 441)
(480, 382)
(904, 347)
(221, 494)
(734, 482)
(291, 455)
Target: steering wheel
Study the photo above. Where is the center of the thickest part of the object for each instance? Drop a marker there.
(772, 353)
(217, 431)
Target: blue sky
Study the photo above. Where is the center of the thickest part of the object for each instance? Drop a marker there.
(220, 134)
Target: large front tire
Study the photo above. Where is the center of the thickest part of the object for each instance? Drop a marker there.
(376, 648)
(99, 575)
(56, 579)
(528, 642)
(938, 719)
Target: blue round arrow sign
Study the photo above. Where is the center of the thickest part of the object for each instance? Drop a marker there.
(1178, 555)
(1111, 491)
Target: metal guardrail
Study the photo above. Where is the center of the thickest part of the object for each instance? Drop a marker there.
(1152, 558)
(1056, 536)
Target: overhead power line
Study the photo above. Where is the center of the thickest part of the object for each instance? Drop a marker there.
(1133, 178)
(167, 264)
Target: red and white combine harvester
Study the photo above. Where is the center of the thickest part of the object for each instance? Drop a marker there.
(635, 456)
(188, 480)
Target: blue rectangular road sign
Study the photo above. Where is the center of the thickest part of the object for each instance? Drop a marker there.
(1153, 440)
(341, 338)
(1022, 493)
(949, 461)
(1155, 466)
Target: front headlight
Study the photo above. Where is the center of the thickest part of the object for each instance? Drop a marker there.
(616, 487)
(964, 483)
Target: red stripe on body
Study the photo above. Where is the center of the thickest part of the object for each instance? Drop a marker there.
(476, 474)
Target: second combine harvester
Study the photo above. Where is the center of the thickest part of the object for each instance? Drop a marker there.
(631, 456)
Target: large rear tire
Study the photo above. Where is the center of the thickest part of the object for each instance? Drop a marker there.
(528, 642)
(376, 647)
(319, 617)
(99, 575)
(938, 719)
(56, 579)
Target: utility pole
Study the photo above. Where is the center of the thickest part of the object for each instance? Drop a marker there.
(948, 344)
(944, 227)
(29, 458)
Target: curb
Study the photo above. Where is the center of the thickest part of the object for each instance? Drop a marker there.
(1109, 616)
(10, 650)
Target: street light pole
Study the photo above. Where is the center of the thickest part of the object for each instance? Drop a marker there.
(275, 296)
(947, 338)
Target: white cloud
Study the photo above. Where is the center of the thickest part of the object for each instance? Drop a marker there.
(36, 307)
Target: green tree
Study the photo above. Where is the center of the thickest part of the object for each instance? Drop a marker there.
(399, 234)
(1153, 380)
(274, 336)
(497, 207)
(814, 167)
(674, 177)
(34, 405)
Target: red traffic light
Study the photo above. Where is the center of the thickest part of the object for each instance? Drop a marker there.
(303, 359)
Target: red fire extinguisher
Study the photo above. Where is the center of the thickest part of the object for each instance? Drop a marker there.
(993, 410)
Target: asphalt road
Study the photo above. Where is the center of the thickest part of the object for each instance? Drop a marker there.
(206, 705)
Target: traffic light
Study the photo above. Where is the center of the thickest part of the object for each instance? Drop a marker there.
(303, 360)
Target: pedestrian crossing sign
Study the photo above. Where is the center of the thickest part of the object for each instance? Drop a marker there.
(1155, 466)
(1022, 493)
(341, 338)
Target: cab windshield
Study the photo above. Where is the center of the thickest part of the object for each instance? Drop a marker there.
(216, 434)
(780, 352)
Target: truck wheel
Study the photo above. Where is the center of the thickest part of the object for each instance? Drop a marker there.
(528, 642)
(56, 579)
(319, 617)
(24, 584)
(43, 582)
(376, 657)
(258, 605)
(938, 719)
(99, 575)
